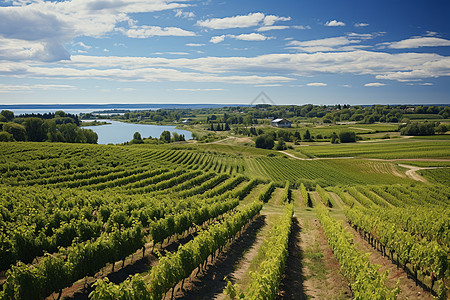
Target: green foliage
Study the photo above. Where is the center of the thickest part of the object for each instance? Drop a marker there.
(365, 280)
(286, 195)
(174, 267)
(326, 198)
(426, 128)
(8, 115)
(35, 129)
(264, 141)
(266, 280)
(6, 136)
(428, 256)
(266, 193)
(137, 138)
(165, 136)
(347, 137)
(305, 195)
(18, 131)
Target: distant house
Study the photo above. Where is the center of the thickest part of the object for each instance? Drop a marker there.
(281, 123)
(186, 121)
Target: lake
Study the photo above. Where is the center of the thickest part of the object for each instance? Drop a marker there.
(119, 132)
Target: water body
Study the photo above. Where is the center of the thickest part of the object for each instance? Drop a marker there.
(119, 132)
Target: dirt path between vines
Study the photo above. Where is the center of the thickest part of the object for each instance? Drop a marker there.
(230, 264)
(312, 271)
(408, 288)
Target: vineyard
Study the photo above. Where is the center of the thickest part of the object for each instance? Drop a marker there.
(155, 222)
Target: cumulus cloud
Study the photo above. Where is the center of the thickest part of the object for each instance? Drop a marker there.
(241, 21)
(361, 24)
(49, 25)
(217, 39)
(271, 19)
(418, 42)
(184, 14)
(375, 84)
(334, 23)
(149, 31)
(316, 84)
(251, 37)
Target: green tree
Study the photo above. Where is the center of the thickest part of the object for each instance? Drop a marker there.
(347, 136)
(9, 115)
(35, 129)
(264, 141)
(442, 129)
(281, 145)
(137, 138)
(18, 131)
(165, 136)
(6, 137)
(307, 136)
(334, 138)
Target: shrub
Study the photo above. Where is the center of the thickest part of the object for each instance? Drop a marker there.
(347, 137)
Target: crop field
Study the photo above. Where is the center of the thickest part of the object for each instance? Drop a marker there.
(388, 149)
(216, 221)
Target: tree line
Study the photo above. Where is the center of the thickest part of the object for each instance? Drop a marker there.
(50, 127)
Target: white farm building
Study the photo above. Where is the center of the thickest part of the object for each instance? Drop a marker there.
(281, 123)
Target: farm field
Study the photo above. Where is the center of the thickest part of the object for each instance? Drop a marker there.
(221, 221)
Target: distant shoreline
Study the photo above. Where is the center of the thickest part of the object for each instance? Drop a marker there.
(112, 106)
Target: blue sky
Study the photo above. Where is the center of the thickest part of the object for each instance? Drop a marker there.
(226, 52)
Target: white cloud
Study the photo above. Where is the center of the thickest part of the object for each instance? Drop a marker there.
(10, 88)
(334, 23)
(184, 14)
(83, 45)
(316, 84)
(198, 90)
(301, 27)
(252, 19)
(375, 84)
(323, 45)
(49, 25)
(241, 21)
(271, 19)
(142, 32)
(263, 69)
(217, 39)
(243, 37)
(251, 37)
(194, 45)
(417, 42)
(276, 27)
(361, 24)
